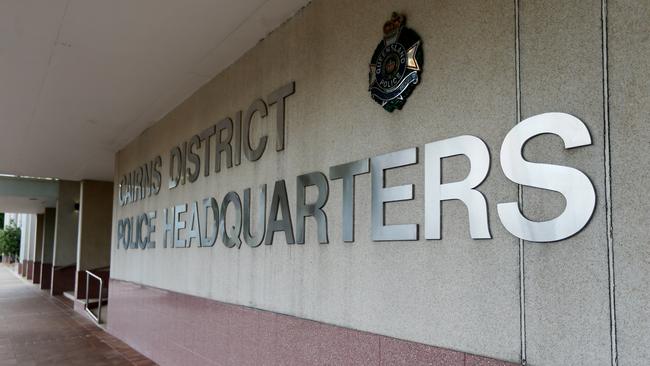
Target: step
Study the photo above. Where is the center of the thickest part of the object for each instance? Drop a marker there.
(93, 303)
(103, 311)
(70, 295)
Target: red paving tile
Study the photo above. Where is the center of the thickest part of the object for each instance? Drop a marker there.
(37, 329)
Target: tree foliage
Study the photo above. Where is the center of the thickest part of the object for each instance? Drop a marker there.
(10, 240)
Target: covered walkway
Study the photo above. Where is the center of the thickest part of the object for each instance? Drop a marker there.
(38, 329)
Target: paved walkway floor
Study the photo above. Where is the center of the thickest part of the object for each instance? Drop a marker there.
(37, 329)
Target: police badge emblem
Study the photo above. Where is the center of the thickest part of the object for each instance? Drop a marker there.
(395, 66)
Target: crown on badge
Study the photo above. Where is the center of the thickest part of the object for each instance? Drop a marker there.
(392, 27)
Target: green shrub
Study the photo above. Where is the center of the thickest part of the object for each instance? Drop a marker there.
(10, 240)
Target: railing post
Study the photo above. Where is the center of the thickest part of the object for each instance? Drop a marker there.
(99, 305)
(87, 293)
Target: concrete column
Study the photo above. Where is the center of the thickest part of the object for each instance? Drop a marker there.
(24, 243)
(65, 238)
(38, 249)
(47, 250)
(9, 217)
(24, 234)
(21, 255)
(629, 62)
(7, 220)
(94, 242)
(31, 244)
(566, 296)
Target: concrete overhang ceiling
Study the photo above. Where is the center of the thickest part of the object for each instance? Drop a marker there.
(26, 195)
(81, 78)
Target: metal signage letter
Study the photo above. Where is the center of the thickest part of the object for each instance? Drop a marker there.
(435, 191)
(575, 186)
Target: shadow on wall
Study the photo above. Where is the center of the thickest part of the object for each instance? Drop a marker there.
(63, 279)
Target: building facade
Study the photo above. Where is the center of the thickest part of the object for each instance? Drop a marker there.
(280, 216)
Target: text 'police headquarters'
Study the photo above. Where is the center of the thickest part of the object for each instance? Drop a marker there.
(201, 222)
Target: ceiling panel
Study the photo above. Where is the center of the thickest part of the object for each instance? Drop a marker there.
(81, 78)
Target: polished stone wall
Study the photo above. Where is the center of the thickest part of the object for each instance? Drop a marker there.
(175, 329)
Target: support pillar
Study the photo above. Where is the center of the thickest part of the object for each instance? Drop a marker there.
(94, 243)
(31, 245)
(47, 250)
(65, 238)
(38, 249)
(22, 255)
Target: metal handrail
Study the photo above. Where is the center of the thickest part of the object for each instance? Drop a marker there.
(99, 306)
